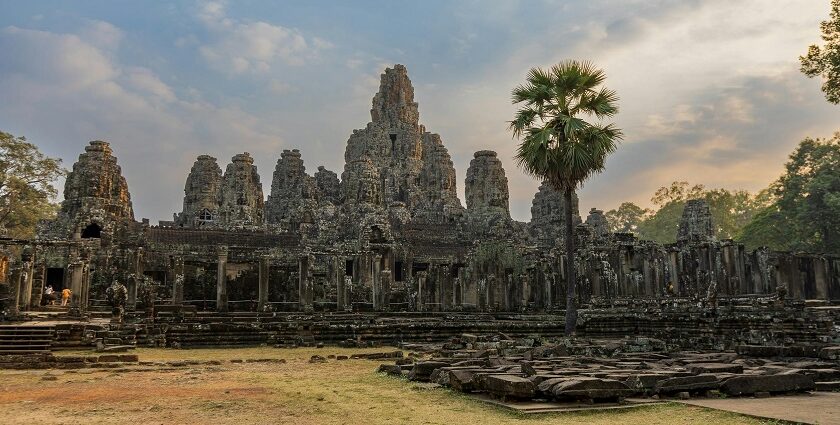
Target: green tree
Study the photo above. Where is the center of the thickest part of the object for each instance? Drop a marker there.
(558, 145)
(731, 210)
(26, 186)
(825, 61)
(805, 214)
(627, 217)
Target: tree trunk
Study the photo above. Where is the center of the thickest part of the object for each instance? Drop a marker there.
(571, 306)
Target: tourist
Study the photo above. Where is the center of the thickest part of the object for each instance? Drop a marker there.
(49, 295)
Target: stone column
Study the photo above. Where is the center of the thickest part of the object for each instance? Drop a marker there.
(526, 290)
(340, 301)
(76, 275)
(38, 285)
(421, 283)
(26, 284)
(263, 283)
(377, 283)
(446, 287)
(178, 279)
(305, 282)
(221, 280)
(14, 289)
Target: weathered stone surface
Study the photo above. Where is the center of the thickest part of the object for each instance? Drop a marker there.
(548, 217)
(696, 222)
(389, 369)
(590, 388)
(646, 381)
(830, 353)
(486, 188)
(508, 386)
(293, 199)
(598, 223)
(422, 371)
(96, 197)
(751, 384)
(462, 380)
(242, 200)
(687, 383)
(202, 194)
(699, 368)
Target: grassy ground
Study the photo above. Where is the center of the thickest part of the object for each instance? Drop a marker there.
(297, 392)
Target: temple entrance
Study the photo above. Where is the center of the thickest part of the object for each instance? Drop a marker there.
(93, 231)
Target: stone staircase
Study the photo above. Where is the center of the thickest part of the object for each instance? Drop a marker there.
(16, 339)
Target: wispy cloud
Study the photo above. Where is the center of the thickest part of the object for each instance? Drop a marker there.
(240, 47)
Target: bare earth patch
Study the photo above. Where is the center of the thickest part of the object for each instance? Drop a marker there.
(296, 392)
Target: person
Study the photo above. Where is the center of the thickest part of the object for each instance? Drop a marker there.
(49, 295)
(65, 296)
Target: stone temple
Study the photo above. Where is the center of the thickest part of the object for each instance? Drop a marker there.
(389, 237)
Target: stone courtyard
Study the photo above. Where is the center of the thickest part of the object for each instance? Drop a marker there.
(386, 259)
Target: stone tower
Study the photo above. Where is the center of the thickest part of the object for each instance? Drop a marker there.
(696, 222)
(201, 194)
(293, 197)
(96, 197)
(597, 221)
(241, 197)
(486, 187)
(396, 154)
(548, 214)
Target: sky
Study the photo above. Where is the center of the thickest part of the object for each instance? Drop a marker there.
(710, 90)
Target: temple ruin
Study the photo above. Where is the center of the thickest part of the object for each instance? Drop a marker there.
(392, 236)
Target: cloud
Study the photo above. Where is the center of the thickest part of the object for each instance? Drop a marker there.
(241, 47)
(102, 35)
(144, 80)
(62, 91)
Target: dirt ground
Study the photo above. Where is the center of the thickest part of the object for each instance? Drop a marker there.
(297, 392)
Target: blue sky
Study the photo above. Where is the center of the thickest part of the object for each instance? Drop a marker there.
(710, 89)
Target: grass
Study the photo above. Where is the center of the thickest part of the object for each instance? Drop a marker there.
(297, 392)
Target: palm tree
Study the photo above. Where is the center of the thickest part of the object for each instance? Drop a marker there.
(558, 145)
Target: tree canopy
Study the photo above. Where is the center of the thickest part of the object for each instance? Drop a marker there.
(26, 186)
(805, 210)
(731, 211)
(560, 141)
(825, 60)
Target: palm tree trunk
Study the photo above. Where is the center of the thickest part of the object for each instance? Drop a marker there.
(571, 306)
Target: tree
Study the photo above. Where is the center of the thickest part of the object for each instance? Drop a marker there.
(805, 213)
(825, 61)
(627, 217)
(26, 185)
(558, 145)
(731, 210)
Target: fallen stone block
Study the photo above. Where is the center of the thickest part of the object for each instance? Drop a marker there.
(751, 384)
(591, 389)
(509, 387)
(645, 382)
(699, 368)
(827, 386)
(830, 353)
(687, 383)
(462, 380)
(422, 371)
(390, 369)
